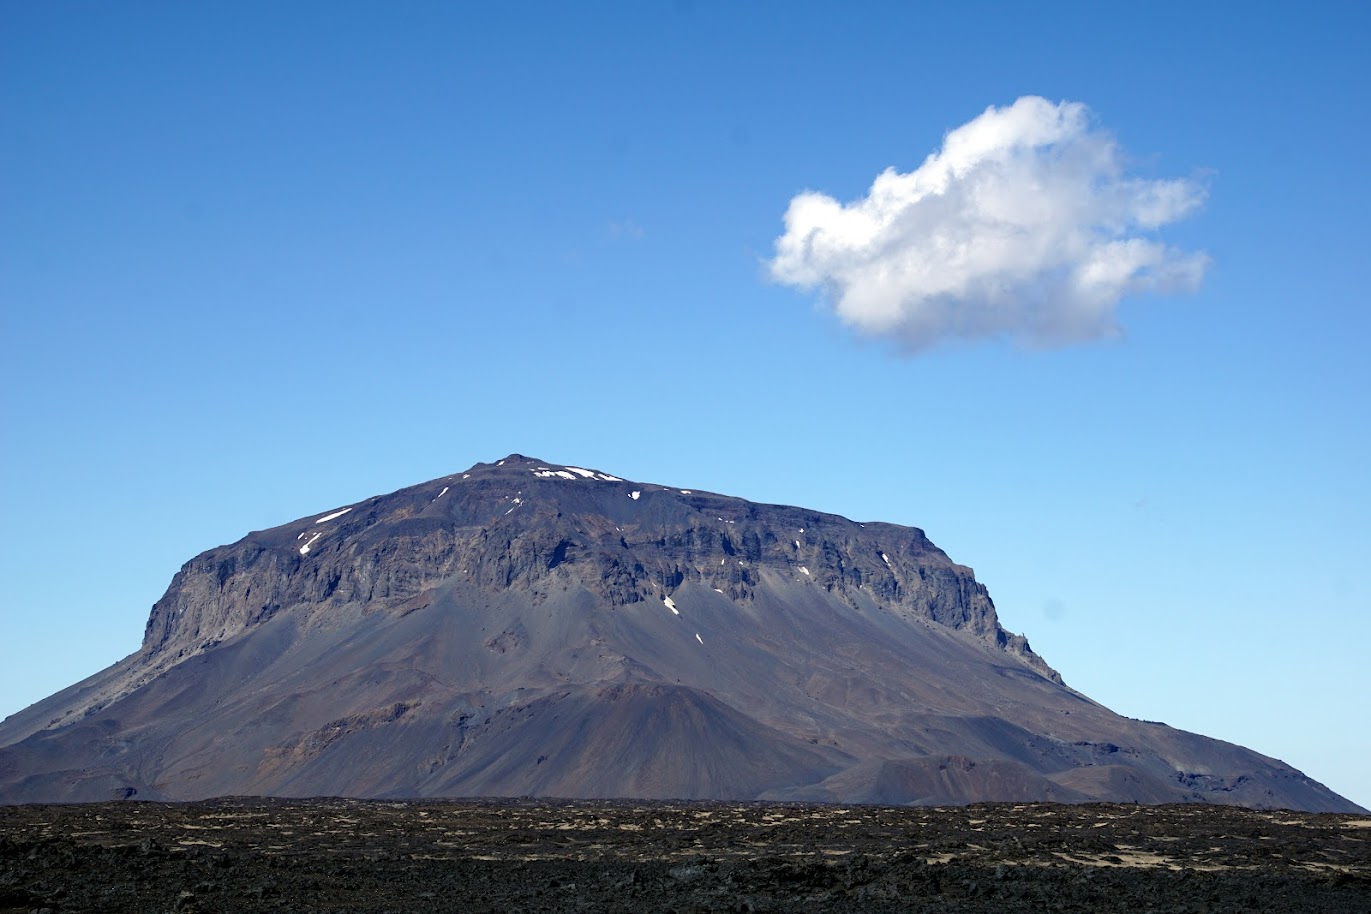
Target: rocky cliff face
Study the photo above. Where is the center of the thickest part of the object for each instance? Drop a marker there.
(526, 627)
(536, 527)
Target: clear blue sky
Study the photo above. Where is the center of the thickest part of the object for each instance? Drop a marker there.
(258, 260)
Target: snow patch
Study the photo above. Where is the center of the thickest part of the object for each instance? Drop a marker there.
(335, 514)
(559, 473)
(885, 558)
(572, 473)
(797, 544)
(500, 464)
(686, 492)
(805, 570)
(698, 638)
(717, 590)
(671, 605)
(440, 494)
(304, 550)
(466, 475)
(634, 495)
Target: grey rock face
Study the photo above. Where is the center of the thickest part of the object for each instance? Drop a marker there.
(512, 526)
(531, 628)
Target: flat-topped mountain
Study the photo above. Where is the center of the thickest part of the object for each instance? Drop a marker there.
(529, 628)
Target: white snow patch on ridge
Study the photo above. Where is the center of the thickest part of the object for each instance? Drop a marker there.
(885, 558)
(440, 494)
(698, 638)
(305, 548)
(573, 473)
(337, 514)
(805, 570)
(671, 605)
(634, 495)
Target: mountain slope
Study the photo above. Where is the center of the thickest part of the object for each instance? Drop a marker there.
(529, 628)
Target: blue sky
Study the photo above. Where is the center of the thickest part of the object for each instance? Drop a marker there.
(260, 260)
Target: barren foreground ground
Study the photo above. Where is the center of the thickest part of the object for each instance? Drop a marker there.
(527, 855)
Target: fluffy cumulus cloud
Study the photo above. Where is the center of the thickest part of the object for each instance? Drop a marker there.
(1024, 225)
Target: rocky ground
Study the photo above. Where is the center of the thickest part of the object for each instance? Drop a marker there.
(245, 855)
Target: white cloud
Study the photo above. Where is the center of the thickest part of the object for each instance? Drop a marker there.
(1024, 225)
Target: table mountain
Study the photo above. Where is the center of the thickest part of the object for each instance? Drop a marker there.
(529, 628)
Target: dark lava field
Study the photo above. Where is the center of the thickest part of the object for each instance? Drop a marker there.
(244, 855)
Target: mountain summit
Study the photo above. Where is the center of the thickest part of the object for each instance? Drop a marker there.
(529, 628)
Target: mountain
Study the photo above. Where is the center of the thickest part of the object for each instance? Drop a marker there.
(528, 628)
